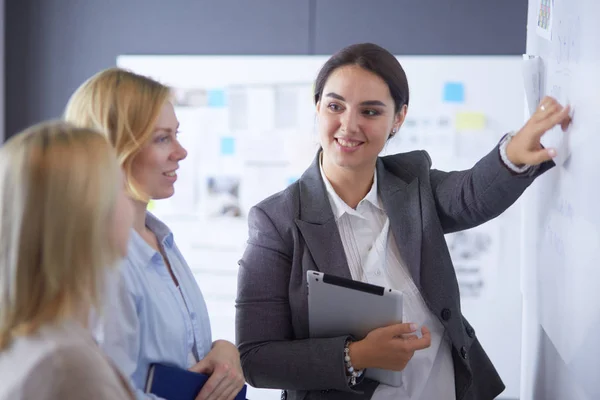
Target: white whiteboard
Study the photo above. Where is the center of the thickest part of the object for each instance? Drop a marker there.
(561, 263)
(459, 109)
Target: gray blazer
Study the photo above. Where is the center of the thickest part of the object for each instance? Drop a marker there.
(295, 230)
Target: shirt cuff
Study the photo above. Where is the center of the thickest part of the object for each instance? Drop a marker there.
(504, 157)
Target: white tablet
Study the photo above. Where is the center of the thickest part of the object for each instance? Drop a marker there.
(339, 306)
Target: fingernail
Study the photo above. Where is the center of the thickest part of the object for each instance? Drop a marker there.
(552, 152)
(413, 327)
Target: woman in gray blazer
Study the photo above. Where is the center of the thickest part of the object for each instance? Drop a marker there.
(380, 220)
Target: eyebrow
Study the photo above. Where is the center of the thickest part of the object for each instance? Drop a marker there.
(166, 129)
(364, 103)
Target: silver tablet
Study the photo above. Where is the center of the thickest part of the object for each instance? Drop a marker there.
(339, 306)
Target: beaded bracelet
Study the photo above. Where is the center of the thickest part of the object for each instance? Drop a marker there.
(354, 373)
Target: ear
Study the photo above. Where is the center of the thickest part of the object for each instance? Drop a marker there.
(398, 121)
(318, 106)
(400, 117)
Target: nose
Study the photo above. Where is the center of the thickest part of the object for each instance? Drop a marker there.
(349, 121)
(179, 153)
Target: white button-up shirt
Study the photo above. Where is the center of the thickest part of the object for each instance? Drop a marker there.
(373, 257)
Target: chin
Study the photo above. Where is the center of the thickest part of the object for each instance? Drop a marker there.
(347, 161)
(164, 195)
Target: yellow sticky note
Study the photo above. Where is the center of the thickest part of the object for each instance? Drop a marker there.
(470, 121)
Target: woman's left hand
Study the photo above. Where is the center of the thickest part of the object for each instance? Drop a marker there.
(223, 366)
(525, 147)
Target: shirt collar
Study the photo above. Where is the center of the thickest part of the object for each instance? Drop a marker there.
(339, 206)
(140, 250)
(162, 231)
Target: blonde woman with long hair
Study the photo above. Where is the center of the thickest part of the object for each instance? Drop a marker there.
(64, 222)
(162, 318)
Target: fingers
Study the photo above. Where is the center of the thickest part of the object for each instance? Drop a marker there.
(228, 393)
(224, 384)
(205, 366)
(413, 343)
(566, 121)
(234, 385)
(423, 342)
(216, 384)
(400, 329)
(552, 113)
(237, 381)
(541, 156)
(546, 104)
(549, 114)
(555, 115)
(547, 108)
(543, 108)
(563, 118)
(546, 100)
(223, 391)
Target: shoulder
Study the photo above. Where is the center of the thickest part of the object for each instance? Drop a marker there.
(408, 167)
(72, 357)
(271, 222)
(76, 370)
(414, 162)
(283, 205)
(65, 352)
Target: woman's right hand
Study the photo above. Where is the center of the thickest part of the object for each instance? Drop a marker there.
(226, 379)
(390, 347)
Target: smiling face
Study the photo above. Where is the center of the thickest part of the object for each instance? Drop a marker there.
(154, 167)
(356, 116)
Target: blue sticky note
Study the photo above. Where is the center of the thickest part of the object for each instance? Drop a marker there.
(216, 98)
(454, 92)
(227, 145)
(292, 179)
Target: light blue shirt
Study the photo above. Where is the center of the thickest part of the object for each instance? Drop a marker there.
(147, 319)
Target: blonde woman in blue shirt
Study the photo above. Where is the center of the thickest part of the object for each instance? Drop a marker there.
(161, 316)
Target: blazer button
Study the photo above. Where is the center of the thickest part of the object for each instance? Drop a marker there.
(470, 332)
(463, 352)
(446, 314)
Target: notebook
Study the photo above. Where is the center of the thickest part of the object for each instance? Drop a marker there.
(174, 383)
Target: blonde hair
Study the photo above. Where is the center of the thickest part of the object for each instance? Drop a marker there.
(58, 190)
(123, 105)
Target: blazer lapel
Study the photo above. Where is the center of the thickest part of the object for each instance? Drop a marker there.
(318, 226)
(402, 204)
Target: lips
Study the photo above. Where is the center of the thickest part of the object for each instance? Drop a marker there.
(348, 143)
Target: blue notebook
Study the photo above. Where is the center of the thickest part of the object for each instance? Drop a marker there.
(174, 383)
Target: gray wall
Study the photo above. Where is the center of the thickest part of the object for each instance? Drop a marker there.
(53, 45)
